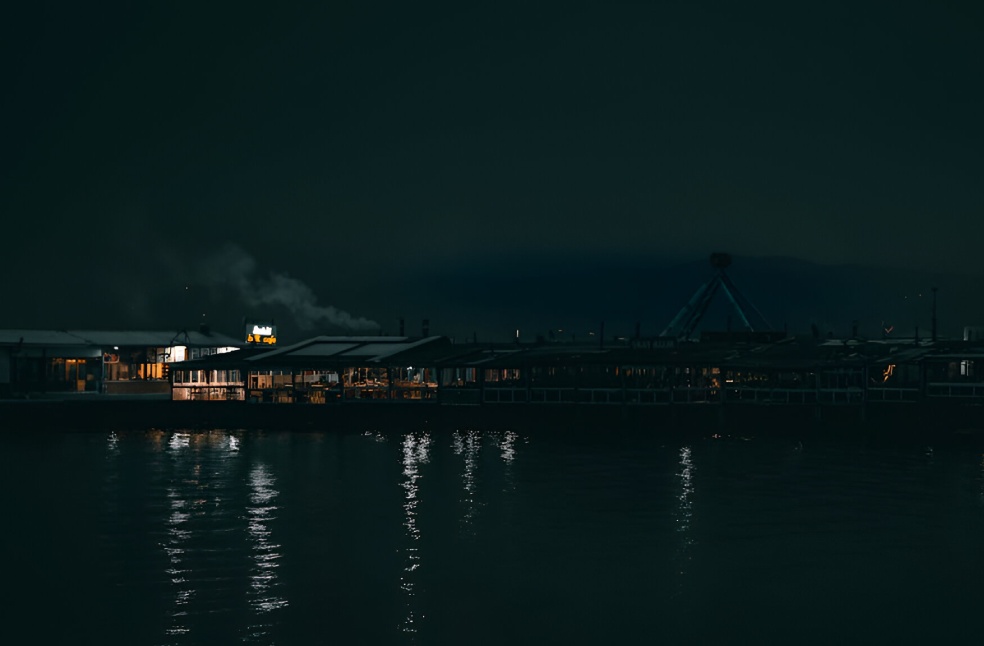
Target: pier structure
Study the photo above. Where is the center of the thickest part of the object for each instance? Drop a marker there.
(735, 381)
(742, 372)
(791, 371)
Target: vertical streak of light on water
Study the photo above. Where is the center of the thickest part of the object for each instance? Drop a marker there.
(178, 534)
(263, 593)
(507, 448)
(468, 445)
(685, 513)
(113, 444)
(415, 452)
(507, 444)
(111, 485)
(112, 506)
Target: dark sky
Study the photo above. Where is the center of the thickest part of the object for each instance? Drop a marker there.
(164, 161)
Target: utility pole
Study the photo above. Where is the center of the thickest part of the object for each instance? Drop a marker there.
(934, 315)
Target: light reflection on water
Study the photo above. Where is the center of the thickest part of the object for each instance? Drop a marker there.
(113, 444)
(507, 445)
(422, 536)
(179, 441)
(415, 453)
(178, 535)
(506, 442)
(685, 510)
(468, 445)
(264, 592)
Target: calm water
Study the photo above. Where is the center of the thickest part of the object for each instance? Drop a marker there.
(153, 537)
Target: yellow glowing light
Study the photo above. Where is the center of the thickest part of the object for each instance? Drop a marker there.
(889, 370)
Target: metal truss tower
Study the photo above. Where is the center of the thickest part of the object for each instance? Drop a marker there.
(687, 319)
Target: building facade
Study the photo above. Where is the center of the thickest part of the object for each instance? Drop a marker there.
(35, 362)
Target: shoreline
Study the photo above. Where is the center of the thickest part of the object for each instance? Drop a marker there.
(922, 421)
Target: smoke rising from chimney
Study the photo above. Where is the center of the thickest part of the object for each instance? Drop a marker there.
(233, 267)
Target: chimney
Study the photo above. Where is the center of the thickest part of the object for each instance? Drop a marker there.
(402, 333)
(204, 329)
(425, 328)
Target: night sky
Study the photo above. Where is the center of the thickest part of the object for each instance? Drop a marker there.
(488, 165)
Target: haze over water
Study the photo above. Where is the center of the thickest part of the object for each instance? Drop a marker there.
(437, 537)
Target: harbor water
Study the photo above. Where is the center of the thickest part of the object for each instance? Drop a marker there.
(422, 536)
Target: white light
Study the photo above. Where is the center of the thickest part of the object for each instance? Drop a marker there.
(116, 347)
(178, 353)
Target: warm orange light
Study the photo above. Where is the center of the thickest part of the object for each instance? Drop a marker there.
(889, 370)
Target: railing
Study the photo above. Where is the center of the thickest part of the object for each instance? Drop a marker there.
(565, 395)
(835, 396)
(770, 395)
(648, 396)
(955, 390)
(515, 394)
(504, 395)
(602, 396)
(893, 394)
(665, 396)
(460, 396)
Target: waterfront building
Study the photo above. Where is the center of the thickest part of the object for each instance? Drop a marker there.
(319, 370)
(44, 362)
(719, 369)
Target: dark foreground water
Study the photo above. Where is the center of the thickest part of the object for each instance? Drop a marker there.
(153, 537)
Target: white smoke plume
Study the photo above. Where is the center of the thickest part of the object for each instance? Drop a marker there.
(232, 266)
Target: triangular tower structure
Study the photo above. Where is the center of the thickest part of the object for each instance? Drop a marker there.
(687, 319)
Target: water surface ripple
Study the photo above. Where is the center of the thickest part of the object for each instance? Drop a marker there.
(432, 537)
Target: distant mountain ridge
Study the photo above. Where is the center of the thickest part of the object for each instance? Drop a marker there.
(560, 296)
(540, 295)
